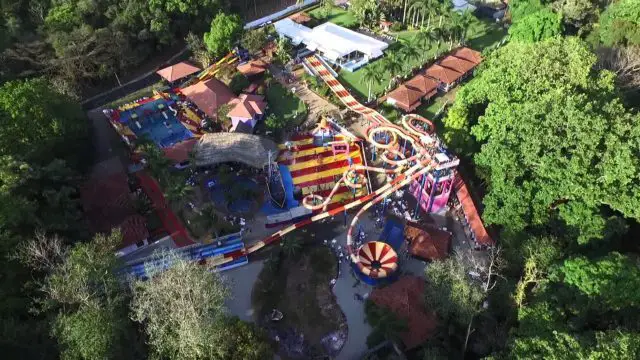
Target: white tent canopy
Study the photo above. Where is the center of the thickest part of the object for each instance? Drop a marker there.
(332, 40)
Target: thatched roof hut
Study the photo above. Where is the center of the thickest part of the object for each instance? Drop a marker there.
(252, 150)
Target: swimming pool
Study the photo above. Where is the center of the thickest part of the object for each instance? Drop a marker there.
(156, 121)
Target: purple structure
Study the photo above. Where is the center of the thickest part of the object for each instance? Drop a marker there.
(432, 190)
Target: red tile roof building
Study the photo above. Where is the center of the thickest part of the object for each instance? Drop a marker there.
(405, 299)
(457, 64)
(180, 151)
(445, 76)
(177, 71)
(405, 97)
(427, 242)
(468, 54)
(426, 85)
(248, 106)
(253, 68)
(479, 233)
(209, 95)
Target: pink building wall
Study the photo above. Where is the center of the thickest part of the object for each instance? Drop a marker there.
(438, 195)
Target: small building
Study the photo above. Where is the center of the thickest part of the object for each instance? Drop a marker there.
(300, 18)
(177, 71)
(468, 54)
(427, 86)
(253, 69)
(385, 26)
(447, 78)
(338, 45)
(460, 65)
(405, 97)
(209, 96)
(405, 299)
(247, 110)
(427, 242)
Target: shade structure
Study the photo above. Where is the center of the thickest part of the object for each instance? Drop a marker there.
(178, 71)
(377, 259)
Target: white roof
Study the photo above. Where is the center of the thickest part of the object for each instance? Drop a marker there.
(333, 40)
(462, 5)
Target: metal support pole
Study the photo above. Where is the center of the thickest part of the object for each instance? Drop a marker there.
(424, 179)
(432, 195)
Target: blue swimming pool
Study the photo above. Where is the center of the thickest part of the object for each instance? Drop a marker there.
(156, 121)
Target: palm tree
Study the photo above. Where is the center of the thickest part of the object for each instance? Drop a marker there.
(291, 246)
(178, 192)
(455, 27)
(444, 9)
(392, 65)
(423, 39)
(371, 74)
(410, 52)
(465, 21)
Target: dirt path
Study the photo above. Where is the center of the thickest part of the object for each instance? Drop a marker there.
(316, 104)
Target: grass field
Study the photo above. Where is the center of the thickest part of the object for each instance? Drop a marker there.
(337, 16)
(285, 105)
(480, 35)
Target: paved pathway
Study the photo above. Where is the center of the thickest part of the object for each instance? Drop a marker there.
(241, 281)
(315, 103)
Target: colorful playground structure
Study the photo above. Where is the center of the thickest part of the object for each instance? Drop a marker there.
(330, 170)
(412, 152)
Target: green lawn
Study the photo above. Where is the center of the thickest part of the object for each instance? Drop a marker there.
(285, 105)
(337, 16)
(480, 35)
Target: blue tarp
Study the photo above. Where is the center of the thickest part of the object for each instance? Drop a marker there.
(393, 234)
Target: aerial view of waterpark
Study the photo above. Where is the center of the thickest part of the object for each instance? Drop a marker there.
(324, 179)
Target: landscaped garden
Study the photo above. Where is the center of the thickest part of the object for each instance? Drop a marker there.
(336, 15)
(296, 281)
(287, 108)
(399, 60)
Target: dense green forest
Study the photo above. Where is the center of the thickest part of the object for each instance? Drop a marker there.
(78, 44)
(550, 125)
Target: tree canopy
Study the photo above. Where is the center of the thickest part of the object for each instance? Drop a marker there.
(225, 31)
(538, 26)
(38, 123)
(555, 141)
(620, 23)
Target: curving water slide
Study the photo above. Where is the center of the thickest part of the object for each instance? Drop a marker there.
(406, 169)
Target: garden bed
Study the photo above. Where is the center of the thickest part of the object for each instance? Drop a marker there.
(298, 285)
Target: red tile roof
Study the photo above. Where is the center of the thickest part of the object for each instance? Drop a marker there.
(134, 229)
(247, 106)
(177, 71)
(405, 298)
(180, 151)
(471, 213)
(406, 98)
(209, 95)
(427, 242)
(457, 64)
(468, 54)
(300, 17)
(426, 85)
(253, 67)
(443, 74)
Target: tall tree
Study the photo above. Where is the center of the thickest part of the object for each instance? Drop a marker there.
(225, 31)
(182, 309)
(542, 24)
(620, 23)
(92, 321)
(556, 143)
(37, 123)
(452, 295)
(371, 74)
